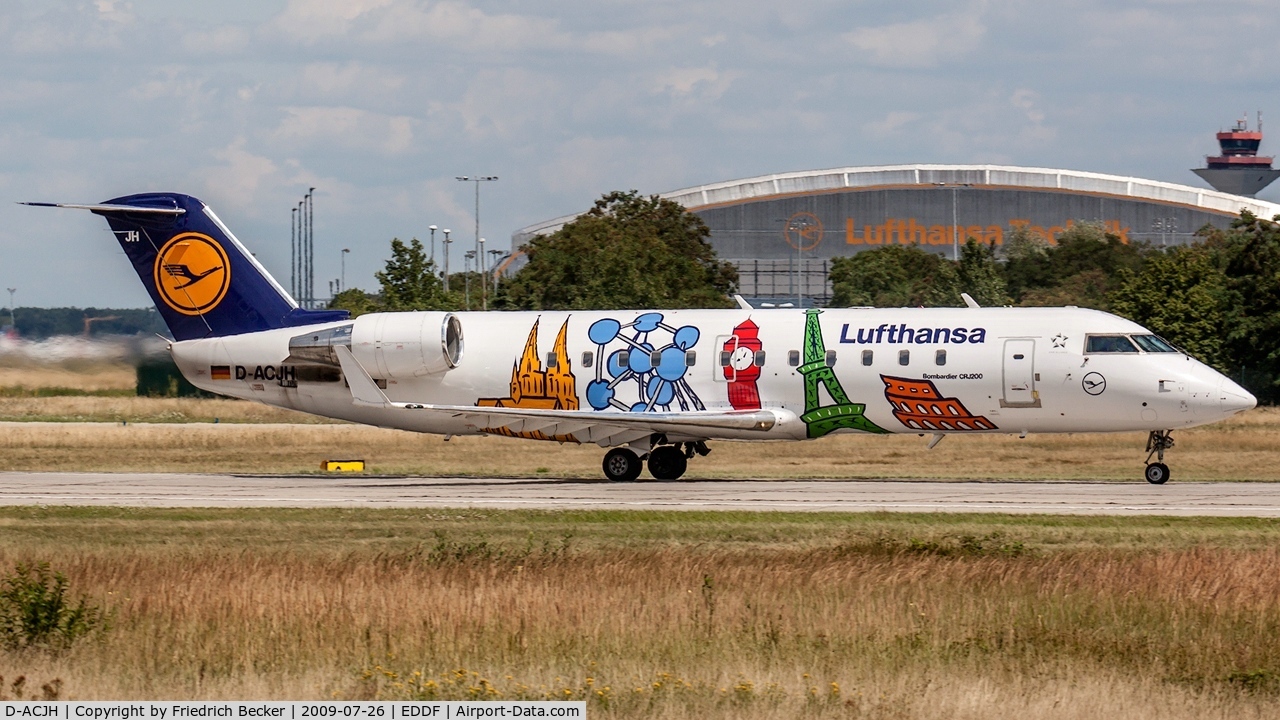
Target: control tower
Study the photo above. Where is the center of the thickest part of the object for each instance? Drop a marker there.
(1239, 170)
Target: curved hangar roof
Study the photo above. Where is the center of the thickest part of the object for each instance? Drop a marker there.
(872, 205)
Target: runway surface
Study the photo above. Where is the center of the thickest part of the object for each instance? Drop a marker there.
(1083, 498)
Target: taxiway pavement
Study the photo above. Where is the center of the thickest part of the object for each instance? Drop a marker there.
(200, 490)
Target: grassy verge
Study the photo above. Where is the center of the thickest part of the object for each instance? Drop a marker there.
(716, 615)
(1240, 449)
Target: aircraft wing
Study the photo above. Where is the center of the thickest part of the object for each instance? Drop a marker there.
(603, 428)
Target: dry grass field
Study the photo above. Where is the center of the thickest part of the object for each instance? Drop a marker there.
(671, 615)
(83, 376)
(180, 435)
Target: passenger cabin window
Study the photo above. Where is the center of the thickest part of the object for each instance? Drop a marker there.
(624, 358)
(793, 358)
(690, 358)
(587, 358)
(759, 359)
(655, 358)
(551, 361)
(1109, 344)
(940, 357)
(725, 357)
(831, 358)
(867, 357)
(1153, 343)
(904, 357)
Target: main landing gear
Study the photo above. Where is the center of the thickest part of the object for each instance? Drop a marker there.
(1157, 442)
(666, 461)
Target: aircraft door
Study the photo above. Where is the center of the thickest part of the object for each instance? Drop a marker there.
(1019, 374)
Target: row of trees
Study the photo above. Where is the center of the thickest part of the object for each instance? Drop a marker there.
(1218, 298)
(627, 251)
(40, 323)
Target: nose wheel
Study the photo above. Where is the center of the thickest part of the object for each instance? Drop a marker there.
(1158, 441)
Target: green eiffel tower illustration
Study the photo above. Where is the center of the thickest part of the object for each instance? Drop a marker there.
(841, 413)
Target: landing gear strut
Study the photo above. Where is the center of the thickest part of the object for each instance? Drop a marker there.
(667, 461)
(1157, 442)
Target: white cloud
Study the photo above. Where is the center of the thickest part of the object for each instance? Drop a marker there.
(345, 127)
(705, 83)
(892, 123)
(241, 176)
(315, 20)
(922, 43)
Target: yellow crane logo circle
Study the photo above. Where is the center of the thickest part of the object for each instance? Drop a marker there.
(192, 273)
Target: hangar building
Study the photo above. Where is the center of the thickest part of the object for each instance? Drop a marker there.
(782, 230)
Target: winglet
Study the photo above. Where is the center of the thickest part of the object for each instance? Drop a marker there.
(742, 303)
(364, 391)
(969, 301)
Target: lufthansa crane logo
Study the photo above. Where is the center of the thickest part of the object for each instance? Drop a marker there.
(192, 273)
(803, 231)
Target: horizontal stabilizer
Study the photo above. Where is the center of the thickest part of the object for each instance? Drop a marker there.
(102, 209)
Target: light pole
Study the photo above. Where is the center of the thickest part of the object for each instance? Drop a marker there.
(467, 275)
(477, 179)
(955, 223)
(311, 247)
(293, 252)
(342, 281)
(432, 228)
(484, 284)
(494, 264)
(800, 226)
(446, 259)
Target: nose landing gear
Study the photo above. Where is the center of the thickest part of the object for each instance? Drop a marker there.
(1158, 441)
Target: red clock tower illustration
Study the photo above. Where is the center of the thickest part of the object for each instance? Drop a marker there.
(742, 371)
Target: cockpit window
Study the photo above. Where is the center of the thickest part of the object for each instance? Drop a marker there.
(1109, 344)
(1153, 343)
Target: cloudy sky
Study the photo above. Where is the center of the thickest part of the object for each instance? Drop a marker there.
(379, 104)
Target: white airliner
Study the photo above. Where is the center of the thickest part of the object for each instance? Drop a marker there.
(656, 385)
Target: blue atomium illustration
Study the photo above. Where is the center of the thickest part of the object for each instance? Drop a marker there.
(646, 375)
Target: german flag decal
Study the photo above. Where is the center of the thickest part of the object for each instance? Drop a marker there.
(220, 372)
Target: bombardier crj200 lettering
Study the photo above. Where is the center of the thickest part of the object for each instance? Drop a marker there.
(656, 385)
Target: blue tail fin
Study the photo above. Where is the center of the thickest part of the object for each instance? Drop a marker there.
(202, 280)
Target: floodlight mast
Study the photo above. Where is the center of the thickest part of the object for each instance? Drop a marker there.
(479, 249)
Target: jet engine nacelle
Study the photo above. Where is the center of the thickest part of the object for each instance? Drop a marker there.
(404, 345)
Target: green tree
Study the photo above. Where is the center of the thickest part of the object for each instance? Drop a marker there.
(1249, 255)
(356, 301)
(410, 282)
(628, 251)
(894, 276)
(1181, 295)
(1026, 265)
(1083, 268)
(981, 276)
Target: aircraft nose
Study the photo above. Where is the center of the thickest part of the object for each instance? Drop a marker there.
(1235, 398)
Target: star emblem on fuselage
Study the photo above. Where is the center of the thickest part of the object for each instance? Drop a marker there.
(1059, 340)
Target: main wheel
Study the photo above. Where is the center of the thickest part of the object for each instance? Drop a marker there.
(1157, 473)
(667, 463)
(622, 465)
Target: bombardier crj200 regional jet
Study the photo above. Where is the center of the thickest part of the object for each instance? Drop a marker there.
(656, 385)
